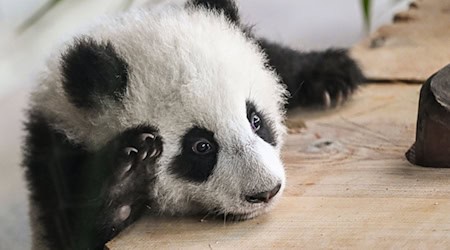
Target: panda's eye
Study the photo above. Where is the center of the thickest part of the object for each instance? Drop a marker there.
(255, 121)
(202, 147)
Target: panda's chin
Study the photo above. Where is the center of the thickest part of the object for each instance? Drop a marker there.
(242, 216)
(248, 214)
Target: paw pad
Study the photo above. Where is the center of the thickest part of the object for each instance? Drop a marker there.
(123, 213)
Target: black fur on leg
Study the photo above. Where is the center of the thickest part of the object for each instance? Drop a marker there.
(83, 198)
(311, 77)
(129, 159)
(228, 7)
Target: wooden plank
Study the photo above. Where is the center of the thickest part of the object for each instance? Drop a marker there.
(415, 46)
(312, 222)
(349, 186)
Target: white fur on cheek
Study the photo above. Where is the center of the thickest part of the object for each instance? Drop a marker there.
(271, 159)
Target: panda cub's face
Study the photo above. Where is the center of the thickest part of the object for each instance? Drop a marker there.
(221, 150)
(226, 162)
(204, 85)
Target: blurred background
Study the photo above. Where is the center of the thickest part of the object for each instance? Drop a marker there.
(30, 30)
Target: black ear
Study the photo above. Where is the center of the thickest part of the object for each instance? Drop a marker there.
(228, 7)
(91, 70)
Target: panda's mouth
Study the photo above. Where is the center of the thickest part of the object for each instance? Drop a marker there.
(241, 217)
(252, 206)
(237, 216)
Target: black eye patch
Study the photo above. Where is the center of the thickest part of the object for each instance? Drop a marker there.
(265, 130)
(192, 165)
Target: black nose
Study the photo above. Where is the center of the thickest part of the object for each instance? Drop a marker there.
(264, 196)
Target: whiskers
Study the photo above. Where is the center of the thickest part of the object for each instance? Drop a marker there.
(297, 90)
(204, 217)
(224, 219)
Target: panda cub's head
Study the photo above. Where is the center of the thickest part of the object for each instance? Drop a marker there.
(193, 74)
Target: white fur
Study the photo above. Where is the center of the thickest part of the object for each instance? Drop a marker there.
(186, 68)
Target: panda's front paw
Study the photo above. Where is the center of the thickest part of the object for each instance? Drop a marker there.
(329, 80)
(130, 160)
(138, 150)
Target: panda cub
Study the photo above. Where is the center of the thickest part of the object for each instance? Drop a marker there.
(174, 111)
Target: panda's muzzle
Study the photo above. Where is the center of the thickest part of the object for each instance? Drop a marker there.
(263, 196)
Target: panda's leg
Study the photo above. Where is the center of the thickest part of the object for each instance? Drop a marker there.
(124, 195)
(326, 78)
(81, 199)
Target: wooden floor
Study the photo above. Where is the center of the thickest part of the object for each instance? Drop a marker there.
(349, 184)
(415, 46)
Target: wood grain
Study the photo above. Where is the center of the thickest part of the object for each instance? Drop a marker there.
(415, 46)
(349, 186)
